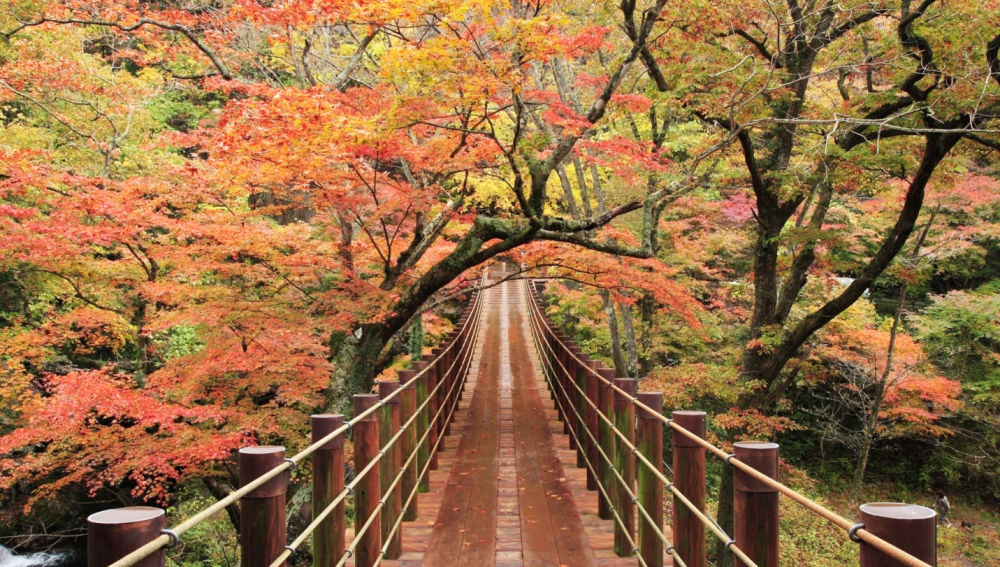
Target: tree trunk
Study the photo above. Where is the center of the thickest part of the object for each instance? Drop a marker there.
(616, 342)
(631, 349)
(859, 473)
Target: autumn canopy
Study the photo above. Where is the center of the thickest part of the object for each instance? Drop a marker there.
(220, 216)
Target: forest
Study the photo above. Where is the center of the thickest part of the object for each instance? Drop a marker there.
(218, 217)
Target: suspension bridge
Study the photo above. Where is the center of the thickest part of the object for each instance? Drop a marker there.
(508, 446)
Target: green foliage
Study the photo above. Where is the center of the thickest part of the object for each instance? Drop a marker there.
(213, 542)
(961, 332)
(178, 341)
(182, 110)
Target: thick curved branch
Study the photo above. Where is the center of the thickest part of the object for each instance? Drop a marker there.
(595, 245)
(580, 225)
(183, 30)
(936, 149)
(652, 67)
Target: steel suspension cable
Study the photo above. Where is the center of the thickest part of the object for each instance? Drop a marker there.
(711, 524)
(164, 539)
(822, 511)
(348, 489)
(614, 511)
(349, 552)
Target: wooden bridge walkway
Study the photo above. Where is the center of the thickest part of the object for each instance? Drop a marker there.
(507, 492)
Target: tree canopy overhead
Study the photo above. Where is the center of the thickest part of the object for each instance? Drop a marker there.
(219, 216)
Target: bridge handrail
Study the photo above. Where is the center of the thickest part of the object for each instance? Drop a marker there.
(348, 489)
(708, 522)
(166, 538)
(815, 507)
(605, 457)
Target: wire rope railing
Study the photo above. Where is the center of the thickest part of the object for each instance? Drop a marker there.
(623, 483)
(430, 394)
(571, 377)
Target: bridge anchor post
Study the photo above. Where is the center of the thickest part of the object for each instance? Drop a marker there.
(909, 527)
(113, 534)
(389, 422)
(606, 442)
(368, 491)
(328, 482)
(422, 422)
(755, 504)
(625, 465)
(408, 442)
(262, 511)
(689, 478)
(649, 440)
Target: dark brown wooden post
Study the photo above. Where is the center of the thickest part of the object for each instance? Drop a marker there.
(592, 425)
(573, 398)
(580, 399)
(113, 534)
(262, 511)
(649, 440)
(443, 376)
(408, 442)
(328, 482)
(554, 358)
(607, 442)
(689, 479)
(449, 361)
(755, 504)
(909, 527)
(423, 422)
(431, 379)
(557, 369)
(367, 493)
(625, 465)
(568, 374)
(389, 468)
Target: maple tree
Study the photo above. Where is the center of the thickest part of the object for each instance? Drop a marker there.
(875, 386)
(805, 144)
(218, 218)
(824, 102)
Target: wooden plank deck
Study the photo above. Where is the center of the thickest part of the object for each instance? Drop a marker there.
(507, 492)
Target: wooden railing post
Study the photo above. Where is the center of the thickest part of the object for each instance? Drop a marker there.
(328, 482)
(367, 493)
(443, 376)
(580, 399)
(755, 504)
(649, 441)
(262, 511)
(689, 479)
(909, 527)
(553, 354)
(408, 442)
(559, 380)
(431, 380)
(113, 534)
(389, 422)
(423, 422)
(592, 426)
(605, 401)
(572, 399)
(625, 465)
